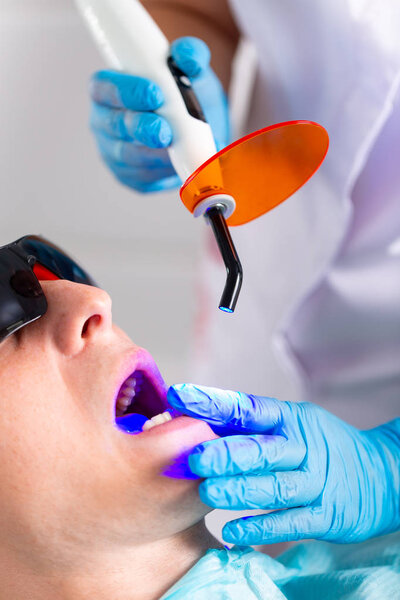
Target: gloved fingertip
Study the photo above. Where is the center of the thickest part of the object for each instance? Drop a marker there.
(164, 134)
(205, 460)
(206, 494)
(191, 54)
(232, 533)
(174, 398)
(151, 130)
(100, 76)
(154, 96)
(196, 461)
(179, 395)
(194, 400)
(103, 91)
(159, 133)
(139, 94)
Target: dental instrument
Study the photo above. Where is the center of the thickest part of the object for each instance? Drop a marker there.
(231, 187)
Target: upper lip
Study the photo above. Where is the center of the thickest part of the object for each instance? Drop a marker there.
(141, 360)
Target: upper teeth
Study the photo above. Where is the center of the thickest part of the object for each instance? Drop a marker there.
(127, 394)
(129, 390)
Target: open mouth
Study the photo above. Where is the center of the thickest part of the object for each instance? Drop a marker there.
(141, 404)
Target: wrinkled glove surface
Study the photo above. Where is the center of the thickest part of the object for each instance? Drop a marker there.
(337, 483)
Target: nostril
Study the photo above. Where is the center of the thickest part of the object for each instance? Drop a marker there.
(93, 321)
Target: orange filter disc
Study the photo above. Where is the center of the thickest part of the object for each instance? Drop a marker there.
(260, 170)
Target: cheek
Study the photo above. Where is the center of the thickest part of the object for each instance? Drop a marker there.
(26, 442)
(41, 445)
(54, 474)
(27, 477)
(30, 459)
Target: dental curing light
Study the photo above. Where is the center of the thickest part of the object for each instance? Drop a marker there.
(231, 187)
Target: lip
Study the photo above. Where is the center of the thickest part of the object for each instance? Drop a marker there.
(141, 360)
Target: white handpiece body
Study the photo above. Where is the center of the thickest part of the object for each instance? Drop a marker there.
(130, 40)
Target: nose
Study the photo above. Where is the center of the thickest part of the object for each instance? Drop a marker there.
(77, 315)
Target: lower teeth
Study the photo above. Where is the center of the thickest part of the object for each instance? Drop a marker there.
(157, 420)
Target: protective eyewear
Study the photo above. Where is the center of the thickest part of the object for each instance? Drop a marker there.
(23, 264)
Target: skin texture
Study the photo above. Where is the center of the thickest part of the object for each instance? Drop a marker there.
(84, 511)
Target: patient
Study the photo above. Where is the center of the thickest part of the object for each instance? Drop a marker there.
(88, 510)
(84, 512)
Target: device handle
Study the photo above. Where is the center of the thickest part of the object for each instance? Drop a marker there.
(130, 40)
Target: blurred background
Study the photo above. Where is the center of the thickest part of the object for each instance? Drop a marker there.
(142, 249)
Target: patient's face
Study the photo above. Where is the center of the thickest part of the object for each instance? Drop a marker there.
(66, 470)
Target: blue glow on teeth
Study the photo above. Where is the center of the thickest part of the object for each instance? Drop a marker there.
(132, 423)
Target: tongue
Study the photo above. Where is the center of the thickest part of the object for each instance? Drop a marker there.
(131, 423)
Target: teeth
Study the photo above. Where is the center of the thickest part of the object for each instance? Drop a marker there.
(126, 395)
(128, 388)
(130, 383)
(124, 401)
(157, 420)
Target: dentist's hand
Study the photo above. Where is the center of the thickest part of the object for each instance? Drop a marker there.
(132, 138)
(336, 482)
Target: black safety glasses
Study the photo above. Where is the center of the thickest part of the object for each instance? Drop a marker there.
(22, 265)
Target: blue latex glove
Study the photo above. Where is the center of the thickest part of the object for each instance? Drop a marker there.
(337, 482)
(132, 138)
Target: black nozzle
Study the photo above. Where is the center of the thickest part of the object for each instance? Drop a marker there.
(234, 270)
(215, 214)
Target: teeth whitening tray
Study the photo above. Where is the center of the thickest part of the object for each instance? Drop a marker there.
(234, 186)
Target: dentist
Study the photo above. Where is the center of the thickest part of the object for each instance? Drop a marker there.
(331, 312)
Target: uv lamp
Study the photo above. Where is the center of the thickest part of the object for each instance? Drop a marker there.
(228, 188)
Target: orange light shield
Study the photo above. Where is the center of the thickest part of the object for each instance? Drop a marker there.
(260, 170)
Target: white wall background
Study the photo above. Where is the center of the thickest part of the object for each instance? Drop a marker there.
(141, 249)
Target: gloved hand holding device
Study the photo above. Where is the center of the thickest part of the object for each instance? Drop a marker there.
(132, 138)
(338, 483)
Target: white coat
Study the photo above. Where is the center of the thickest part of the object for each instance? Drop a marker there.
(319, 315)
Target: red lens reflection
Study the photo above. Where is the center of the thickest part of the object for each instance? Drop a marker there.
(44, 274)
